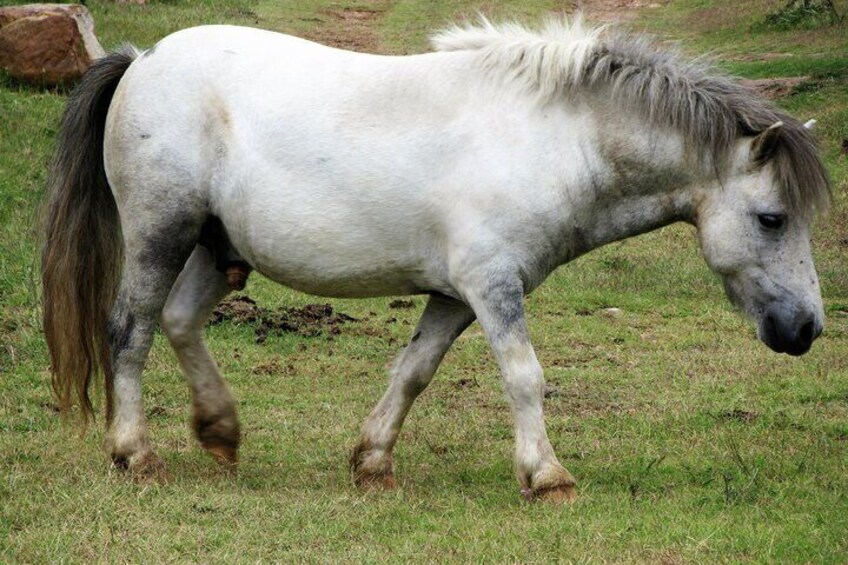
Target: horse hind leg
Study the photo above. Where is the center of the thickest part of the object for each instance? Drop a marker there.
(200, 287)
(154, 259)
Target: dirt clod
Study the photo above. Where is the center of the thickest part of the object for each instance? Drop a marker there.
(309, 321)
(738, 415)
(401, 303)
(552, 391)
(466, 383)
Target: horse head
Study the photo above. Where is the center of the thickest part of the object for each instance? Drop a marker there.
(755, 233)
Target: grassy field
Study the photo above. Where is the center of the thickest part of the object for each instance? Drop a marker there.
(691, 441)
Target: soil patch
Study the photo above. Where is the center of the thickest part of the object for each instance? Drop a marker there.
(349, 28)
(775, 87)
(616, 10)
(309, 321)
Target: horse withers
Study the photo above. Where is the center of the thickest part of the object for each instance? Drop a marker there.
(467, 174)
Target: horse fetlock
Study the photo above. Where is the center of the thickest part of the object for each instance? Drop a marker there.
(219, 433)
(372, 468)
(126, 443)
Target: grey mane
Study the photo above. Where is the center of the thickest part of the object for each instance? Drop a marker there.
(710, 109)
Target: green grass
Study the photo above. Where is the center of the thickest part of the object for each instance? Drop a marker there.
(690, 440)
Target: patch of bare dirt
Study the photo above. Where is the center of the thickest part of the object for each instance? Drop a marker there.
(616, 10)
(349, 28)
(762, 56)
(583, 401)
(273, 367)
(309, 321)
(774, 87)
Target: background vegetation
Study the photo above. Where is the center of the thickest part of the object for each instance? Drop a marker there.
(691, 441)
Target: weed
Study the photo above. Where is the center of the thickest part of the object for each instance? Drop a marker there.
(636, 484)
(803, 14)
(740, 483)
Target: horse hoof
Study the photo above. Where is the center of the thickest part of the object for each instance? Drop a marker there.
(372, 470)
(143, 468)
(375, 481)
(225, 455)
(219, 434)
(554, 485)
(556, 495)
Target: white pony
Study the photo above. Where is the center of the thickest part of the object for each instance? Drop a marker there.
(468, 174)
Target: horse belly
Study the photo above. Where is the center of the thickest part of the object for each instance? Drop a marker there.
(329, 247)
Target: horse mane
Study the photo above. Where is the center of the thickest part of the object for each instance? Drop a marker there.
(708, 108)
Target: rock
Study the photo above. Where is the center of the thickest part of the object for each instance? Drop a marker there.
(47, 44)
(611, 312)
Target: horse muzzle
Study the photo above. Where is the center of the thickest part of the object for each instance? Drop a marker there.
(789, 329)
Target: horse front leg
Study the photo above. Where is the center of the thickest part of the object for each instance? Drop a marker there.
(499, 305)
(443, 320)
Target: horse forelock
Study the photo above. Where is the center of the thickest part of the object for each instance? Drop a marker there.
(800, 171)
(710, 110)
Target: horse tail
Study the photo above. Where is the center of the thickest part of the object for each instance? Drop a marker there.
(82, 249)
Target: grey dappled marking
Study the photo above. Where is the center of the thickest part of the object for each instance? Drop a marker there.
(120, 328)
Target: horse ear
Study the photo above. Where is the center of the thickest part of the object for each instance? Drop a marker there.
(764, 145)
(810, 124)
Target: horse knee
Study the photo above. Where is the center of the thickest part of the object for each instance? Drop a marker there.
(525, 386)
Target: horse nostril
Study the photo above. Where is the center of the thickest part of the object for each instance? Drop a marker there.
(807, 333)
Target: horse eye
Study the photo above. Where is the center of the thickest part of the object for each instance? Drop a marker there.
(771, 221)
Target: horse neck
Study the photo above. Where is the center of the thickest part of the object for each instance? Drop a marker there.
(643, 180)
